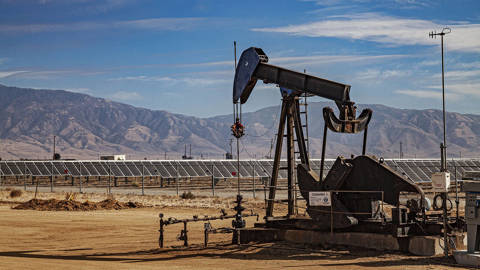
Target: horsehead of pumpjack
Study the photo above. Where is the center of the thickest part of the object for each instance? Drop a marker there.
(363, 173)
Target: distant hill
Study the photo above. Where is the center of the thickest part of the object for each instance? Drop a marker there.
(86, 126)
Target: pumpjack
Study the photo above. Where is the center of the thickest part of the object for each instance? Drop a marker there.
(356, 185)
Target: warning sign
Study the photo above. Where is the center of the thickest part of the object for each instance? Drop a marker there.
(319, 198)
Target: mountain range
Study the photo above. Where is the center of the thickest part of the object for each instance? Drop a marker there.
(86, 127)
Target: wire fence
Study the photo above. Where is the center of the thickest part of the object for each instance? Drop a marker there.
(176, 177)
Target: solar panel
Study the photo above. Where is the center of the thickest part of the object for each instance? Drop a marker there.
(132, 168)
(150, 168)
(244, 172)
(10, 168)
(59, 168)
(165, 169)
(113, 169)
(222, 170)
(246, 168)
(71, 168)
(141, 168)
(32, 169)
(416, 170)
(42, 168)
(101, 167)
(4, 167)
(208, 167)
(188, 169)
(180, 171)
(260, 171)
(231, 166)
(92, 171)
(196, 166)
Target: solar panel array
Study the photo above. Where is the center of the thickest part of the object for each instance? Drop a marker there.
(416, 170)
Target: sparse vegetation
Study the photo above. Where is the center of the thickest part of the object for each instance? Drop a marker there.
(15, 193)
(70, 196)
(187, 195)
(111, 197)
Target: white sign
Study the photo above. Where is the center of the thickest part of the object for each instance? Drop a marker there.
(319, 198)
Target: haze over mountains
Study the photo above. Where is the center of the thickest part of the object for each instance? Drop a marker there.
(86, 127)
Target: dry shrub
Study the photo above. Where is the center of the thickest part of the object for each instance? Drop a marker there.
(187, 195)
(70, 196)
(15, 193)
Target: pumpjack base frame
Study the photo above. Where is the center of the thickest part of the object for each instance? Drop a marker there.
(364, 226)
(417, 245)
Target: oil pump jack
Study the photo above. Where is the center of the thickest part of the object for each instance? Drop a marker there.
(357, 185)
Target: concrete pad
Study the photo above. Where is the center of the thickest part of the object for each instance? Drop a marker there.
(425, 245)
(467, 259)
(417, 245)
(262, 235)
(355, 239)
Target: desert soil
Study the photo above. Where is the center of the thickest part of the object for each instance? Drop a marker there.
(128, 239)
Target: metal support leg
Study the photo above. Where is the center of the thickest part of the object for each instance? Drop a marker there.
(324, 144)
(290, 160)
(276, 161)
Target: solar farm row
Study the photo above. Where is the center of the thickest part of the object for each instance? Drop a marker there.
(416, 170)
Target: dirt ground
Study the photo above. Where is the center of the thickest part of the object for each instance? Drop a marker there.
(128, 239)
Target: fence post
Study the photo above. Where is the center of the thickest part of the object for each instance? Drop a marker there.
(176, 180)
(254, 180)
(80, 179)
(143, 179)
(213, 181)
(25, 177)
(109, 178)
(51, 179)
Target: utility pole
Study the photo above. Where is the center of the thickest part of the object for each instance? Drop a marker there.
(443, 146)
(54, 137)
(401, 151)
(434, 34)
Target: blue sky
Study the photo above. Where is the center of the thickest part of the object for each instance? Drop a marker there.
(178, 55)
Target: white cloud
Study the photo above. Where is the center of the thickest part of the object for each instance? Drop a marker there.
(191, 81)
(386, 30)
(372, 74)
(475, 64)
(427, 94)
(159, 24)
(466, 89)
(5, 74)
(326, 59)
(430, 63)
(460, 74)
(46, 74)
(126, 96)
